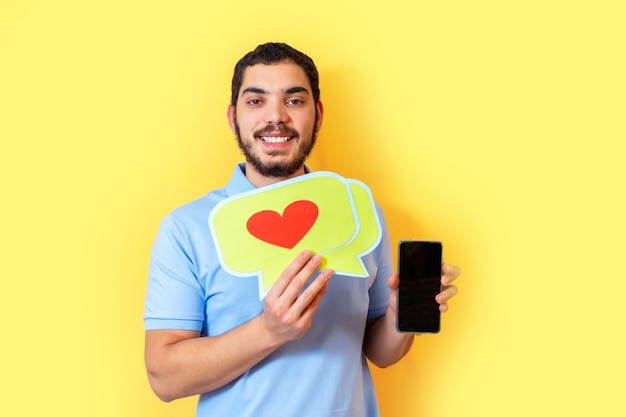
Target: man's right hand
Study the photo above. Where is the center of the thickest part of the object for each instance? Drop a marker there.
(182, 363)
(288, 310)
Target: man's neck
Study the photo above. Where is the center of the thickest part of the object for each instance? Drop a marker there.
(259, 180)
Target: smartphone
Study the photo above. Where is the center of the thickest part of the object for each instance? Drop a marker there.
(419, 268)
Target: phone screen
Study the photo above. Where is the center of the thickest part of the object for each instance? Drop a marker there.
(419, 268)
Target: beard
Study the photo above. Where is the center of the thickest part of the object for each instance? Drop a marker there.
(279, 168)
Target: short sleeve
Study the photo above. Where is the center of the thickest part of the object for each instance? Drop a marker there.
(379, 291)
(174, 296)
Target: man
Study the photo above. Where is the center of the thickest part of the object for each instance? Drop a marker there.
(301, 351)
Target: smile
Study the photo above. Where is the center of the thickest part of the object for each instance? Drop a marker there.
(275, 139)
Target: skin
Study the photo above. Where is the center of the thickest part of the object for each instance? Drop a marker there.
(181, 363)
(275, 101)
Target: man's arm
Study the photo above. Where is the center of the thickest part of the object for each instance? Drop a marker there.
(383, 344)
(180, 363)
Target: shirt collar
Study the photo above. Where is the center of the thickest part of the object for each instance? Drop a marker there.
(238, 182)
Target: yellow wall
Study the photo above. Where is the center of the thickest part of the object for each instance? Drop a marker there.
(495, 126)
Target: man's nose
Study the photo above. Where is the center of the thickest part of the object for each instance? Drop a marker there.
(276, 112)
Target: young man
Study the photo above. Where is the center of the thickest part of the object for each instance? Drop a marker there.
(301, 350)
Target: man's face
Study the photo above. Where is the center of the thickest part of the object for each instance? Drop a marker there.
(276, 120)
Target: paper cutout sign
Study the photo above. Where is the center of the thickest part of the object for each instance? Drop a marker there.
(260, 232)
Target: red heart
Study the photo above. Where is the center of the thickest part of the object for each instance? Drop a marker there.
(286, 230)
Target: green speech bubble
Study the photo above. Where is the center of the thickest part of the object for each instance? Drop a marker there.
(347, 260)
(260, 232)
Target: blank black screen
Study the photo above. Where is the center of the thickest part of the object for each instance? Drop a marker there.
(419, 268)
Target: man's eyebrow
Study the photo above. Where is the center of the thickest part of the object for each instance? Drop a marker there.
(290, 90)
(253, 90)
(297, 89)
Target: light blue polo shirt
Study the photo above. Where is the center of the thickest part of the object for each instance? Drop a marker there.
(323, 374)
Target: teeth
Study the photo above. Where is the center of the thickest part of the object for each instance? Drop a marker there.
(272, 139)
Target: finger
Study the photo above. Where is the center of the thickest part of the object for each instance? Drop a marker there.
(289, 273)
(393, 282)
(449, 273)
(310, 307)
(312, 295)
(297, 283)
(446, 294)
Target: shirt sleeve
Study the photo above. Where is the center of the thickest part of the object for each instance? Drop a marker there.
(174, 296)
(379, 291)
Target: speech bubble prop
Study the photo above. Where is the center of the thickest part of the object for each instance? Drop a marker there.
(261, 231)
(348, 258)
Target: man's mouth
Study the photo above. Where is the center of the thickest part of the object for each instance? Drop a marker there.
(276, 134)
(276, 139)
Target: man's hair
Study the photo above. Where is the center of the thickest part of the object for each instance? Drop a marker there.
(275, 53)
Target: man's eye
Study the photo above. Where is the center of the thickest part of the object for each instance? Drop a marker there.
(294, 101)
(254, 101)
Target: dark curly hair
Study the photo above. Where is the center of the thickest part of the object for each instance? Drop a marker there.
(274, 53)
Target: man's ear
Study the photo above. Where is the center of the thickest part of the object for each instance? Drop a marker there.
(232, 122)
(320, 116)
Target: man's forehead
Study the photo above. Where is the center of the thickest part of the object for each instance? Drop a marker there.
(282, 76)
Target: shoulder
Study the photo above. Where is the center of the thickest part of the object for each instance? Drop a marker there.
(202, 205)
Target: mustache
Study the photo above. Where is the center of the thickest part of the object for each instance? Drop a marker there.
(280, 129)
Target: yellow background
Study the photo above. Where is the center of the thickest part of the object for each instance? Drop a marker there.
(495, 126)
